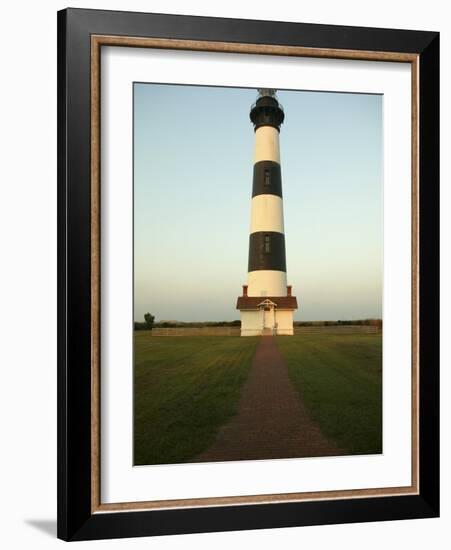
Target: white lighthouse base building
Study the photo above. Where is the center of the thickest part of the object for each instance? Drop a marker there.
(266, 315)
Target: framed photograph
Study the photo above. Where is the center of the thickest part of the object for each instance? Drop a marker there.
(248, 274)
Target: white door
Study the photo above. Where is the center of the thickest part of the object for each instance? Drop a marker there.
(268, 317)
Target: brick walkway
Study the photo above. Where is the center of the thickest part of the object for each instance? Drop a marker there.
(272, 421)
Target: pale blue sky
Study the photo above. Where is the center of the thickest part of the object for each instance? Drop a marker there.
(193, 164)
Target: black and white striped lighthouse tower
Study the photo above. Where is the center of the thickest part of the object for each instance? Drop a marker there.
(267, 304)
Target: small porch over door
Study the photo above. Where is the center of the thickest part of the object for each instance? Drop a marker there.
(269, 317)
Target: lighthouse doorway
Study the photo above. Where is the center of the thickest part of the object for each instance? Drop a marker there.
(268, 315)
(268, 318)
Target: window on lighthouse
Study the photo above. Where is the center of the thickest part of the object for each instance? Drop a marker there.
(267, 244)
(267, 177)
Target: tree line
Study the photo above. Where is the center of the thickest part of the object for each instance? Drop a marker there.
(353, 322)
(149, 323)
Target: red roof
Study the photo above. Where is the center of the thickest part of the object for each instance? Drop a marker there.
(253, 302)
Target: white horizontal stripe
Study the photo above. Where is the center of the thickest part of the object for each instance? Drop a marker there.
(267, 144)
(267, 213)
(265, 282)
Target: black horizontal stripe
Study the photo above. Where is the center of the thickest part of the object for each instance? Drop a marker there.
(260, 257)
(267, 178)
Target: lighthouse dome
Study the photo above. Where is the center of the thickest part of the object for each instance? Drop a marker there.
(267, 111)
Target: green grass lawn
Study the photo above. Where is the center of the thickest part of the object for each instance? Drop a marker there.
(185, 389)
(340, 380)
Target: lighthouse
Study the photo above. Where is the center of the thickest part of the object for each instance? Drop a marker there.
(267, 304)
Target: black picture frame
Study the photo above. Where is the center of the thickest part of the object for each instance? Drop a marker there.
(75, 518)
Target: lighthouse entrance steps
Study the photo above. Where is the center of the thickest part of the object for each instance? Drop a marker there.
(272, 420)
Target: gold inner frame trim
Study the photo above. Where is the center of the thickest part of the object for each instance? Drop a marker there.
(97, 41)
